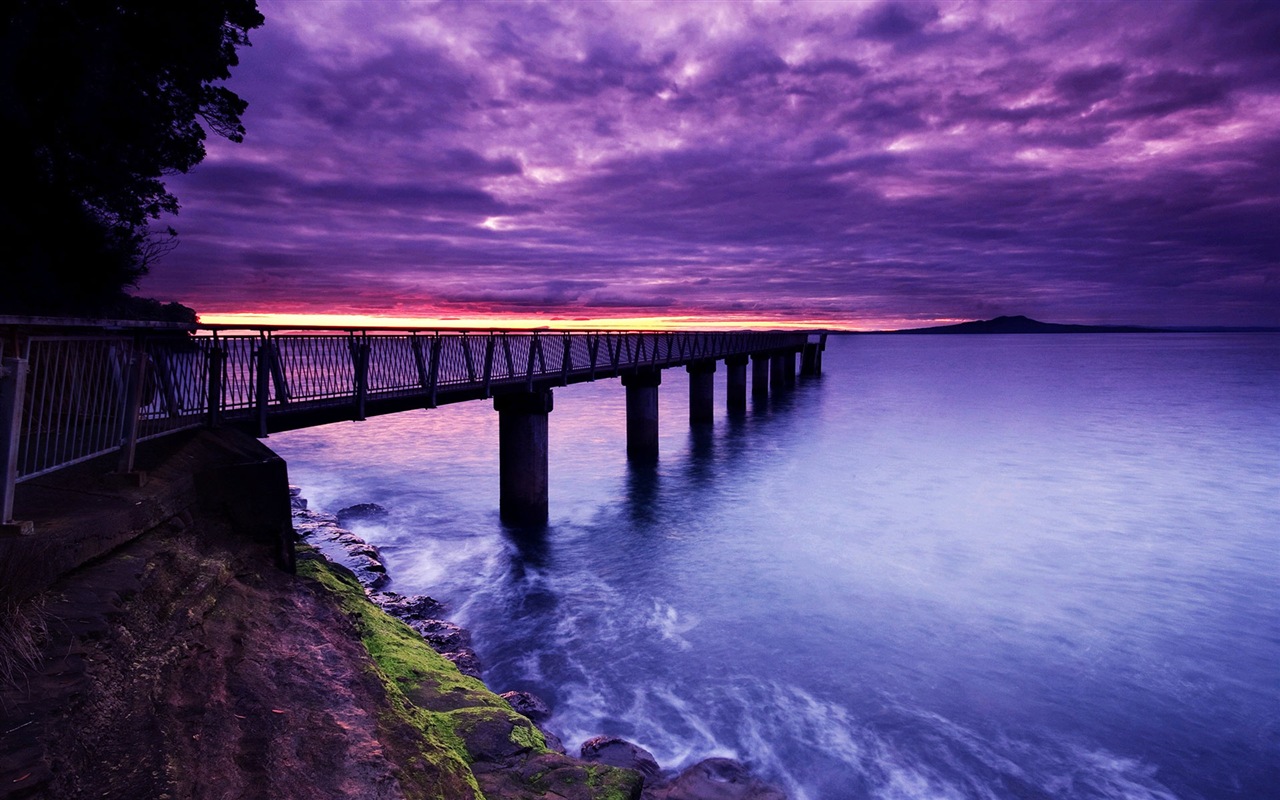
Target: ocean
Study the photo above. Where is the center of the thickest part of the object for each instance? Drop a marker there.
(948, 567)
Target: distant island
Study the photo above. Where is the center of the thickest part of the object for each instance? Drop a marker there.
(1021, 324)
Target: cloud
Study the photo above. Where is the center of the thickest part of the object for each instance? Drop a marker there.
(1077, 161)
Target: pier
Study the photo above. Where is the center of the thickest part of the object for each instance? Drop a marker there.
(73, 391)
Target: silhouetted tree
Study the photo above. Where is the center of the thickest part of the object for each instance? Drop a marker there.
(100, 100)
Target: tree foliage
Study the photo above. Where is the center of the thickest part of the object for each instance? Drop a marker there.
(101, 100)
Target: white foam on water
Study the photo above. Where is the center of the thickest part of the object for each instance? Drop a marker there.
(668, 621)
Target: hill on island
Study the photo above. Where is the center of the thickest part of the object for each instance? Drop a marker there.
(1021, 324)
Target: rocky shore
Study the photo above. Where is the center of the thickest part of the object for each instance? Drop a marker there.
(183, 648)
(711, 779)
(179, 644)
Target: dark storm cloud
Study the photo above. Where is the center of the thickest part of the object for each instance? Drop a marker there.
(904, 160)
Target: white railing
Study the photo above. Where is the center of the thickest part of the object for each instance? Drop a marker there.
(66, 398)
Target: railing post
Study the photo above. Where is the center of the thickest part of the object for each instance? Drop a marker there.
(464, 340)
(419, 360)
(132, 408)
(216, 360)
(533, 345)
(164, 376)
(13, 383)
(488, 363)
(277, 372)
(566, 361)
(361, 352)
(436, 346)
(262, 388)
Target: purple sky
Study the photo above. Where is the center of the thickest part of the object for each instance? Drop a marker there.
(872, 164)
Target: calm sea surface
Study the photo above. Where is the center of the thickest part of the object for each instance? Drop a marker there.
(950, 567)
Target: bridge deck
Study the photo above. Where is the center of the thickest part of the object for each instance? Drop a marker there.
(77, 394)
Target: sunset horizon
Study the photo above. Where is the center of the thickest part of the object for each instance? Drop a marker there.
(861, 165)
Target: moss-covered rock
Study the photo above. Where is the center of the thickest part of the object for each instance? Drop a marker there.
(463, 741)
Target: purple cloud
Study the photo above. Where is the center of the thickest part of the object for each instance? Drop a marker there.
(1077, 162)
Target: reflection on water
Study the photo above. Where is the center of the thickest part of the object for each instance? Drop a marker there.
(950, 567)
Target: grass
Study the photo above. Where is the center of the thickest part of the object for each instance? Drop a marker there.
(23, 619)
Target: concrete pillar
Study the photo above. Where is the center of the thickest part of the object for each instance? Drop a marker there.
(642, 414)
(778, 371)
(736, 384)
(702, 391)
(809, 359)
(522, 456)
(789, 362)
(760, 374)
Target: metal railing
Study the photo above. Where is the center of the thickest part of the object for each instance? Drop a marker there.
(68, 398)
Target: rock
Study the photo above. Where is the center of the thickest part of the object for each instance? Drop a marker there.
(361, 511)
(555, 776)
(371, 574)
(444, 637)
(528, 704)
(620, 753)
(367, 550)
(296, 501)
(409, 608)
(306, 522)
(466, 660)
(553, 742)
(716, 779)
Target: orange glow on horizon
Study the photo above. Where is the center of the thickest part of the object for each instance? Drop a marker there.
(518, 321)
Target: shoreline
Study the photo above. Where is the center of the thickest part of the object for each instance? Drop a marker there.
(719, 778)
(196, 653)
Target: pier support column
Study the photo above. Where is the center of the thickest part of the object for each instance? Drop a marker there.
(760, 374)
(642, 414)
(789, 361)
(736, 384)
(778, 371)
(702, 391)
(522, 456)
(809, 359)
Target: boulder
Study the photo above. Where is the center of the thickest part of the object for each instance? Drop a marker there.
(620, 753)
(361, 511)
(466, 660)
(444, 637)
(409, 608)
(528, 704)
(716, 779)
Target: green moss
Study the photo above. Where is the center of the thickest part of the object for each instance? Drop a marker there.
(404, 663)
(613, 784)
(530, 737)
(456, 720)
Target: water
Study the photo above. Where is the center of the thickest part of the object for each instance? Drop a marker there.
(951, 567)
